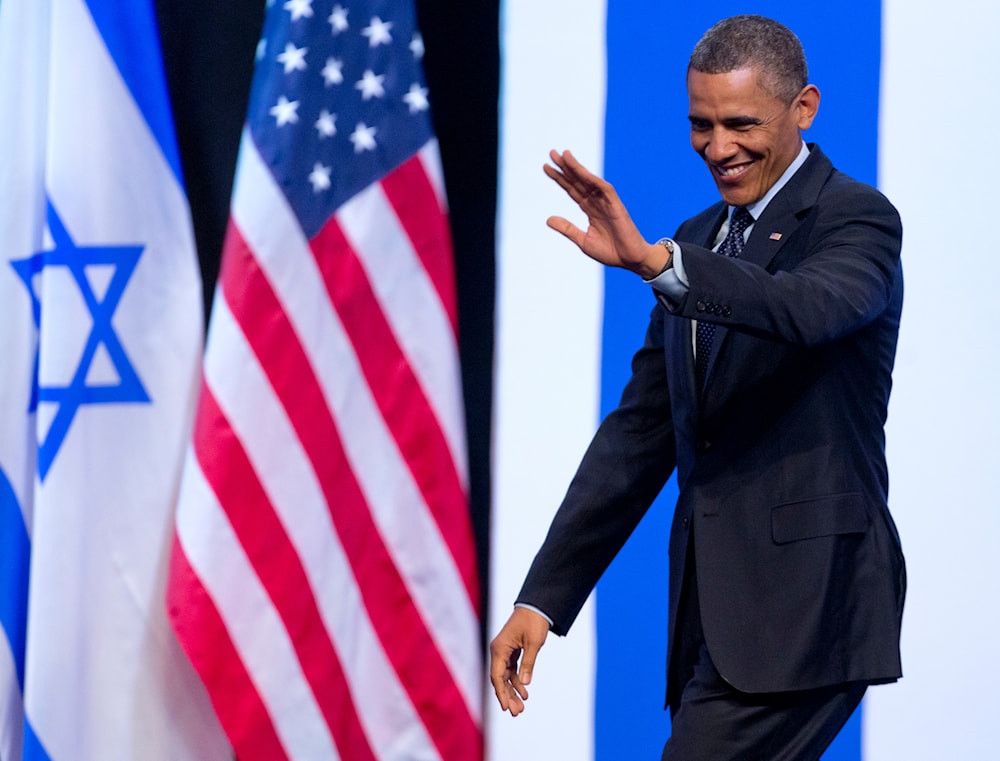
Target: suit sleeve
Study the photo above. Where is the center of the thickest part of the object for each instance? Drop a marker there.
(628, 462)
(834, 275)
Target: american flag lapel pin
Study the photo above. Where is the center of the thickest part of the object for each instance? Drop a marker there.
(775, 236)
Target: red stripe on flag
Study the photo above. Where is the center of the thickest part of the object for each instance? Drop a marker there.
(232, 477)
(412, 196)
(404, 635)
(400, 398)
(203, 635)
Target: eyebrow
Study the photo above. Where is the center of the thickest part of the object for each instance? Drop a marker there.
(732, 122)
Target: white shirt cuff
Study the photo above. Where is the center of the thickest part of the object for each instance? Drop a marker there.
(534, 609)
(673, 281)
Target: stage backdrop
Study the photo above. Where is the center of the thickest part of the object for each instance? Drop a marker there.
(909, 99)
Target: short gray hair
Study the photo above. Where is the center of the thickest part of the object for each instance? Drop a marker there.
(756, 42)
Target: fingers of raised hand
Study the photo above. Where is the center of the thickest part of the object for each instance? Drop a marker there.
(567, 228)
(574, 178)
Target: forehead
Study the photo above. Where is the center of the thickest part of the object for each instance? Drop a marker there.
(731, 92)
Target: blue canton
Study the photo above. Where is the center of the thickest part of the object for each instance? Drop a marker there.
(350, 105)
(68, 399)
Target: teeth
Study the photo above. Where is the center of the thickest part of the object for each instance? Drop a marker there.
(731, 171)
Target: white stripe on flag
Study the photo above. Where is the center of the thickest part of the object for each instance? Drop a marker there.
(430, 157)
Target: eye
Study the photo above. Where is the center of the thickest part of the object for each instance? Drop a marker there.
(700, 125)
(743, 125)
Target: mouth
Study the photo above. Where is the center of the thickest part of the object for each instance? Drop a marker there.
(731, 173)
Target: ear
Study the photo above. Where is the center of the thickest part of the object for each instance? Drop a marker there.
(807, 104)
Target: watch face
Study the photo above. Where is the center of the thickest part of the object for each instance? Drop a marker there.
(667, 244)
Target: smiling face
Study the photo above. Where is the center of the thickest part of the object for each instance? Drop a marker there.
(746, 136)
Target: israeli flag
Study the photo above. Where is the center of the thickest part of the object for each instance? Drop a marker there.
(909, 97)
(100, 344)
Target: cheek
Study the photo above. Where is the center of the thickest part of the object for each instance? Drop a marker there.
(757, 147)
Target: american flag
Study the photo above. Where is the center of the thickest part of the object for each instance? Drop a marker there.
(323, 578)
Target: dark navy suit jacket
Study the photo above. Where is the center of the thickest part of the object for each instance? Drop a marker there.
(780, 459)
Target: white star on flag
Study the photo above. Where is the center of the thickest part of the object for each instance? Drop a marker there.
(326, 124)
(338, 20)
(377, 32)
(285, 111)
(320, 177)
(417, 46)
(370, 85)
(333, 71)
(416, 98)
(299, 9)
(363, 138)
(293, 59)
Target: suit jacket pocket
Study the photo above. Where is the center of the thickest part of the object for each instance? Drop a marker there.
(824, 516)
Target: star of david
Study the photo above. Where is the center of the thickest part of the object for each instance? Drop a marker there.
(70, 398)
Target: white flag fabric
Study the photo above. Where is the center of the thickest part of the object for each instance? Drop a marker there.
(101, 339)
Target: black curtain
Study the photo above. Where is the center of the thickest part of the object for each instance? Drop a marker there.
(208, 51)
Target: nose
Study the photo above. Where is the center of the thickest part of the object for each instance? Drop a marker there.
(720, 146)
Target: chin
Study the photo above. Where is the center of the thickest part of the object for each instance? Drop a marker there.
(734, 199)
(739, 196)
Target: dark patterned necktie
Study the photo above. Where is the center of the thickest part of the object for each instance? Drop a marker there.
(731, 246)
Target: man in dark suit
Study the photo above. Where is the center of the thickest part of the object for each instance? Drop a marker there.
(764, 380)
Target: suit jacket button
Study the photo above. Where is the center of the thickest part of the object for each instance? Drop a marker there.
(704, 445)
(717, 309)
(686, 521)
(700, 306)
(726, 311)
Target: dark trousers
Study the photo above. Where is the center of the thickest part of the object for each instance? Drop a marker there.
(716, 722)
(713, 721)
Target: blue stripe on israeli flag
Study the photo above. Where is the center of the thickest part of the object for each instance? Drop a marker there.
(33, 748)
(15, 553)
